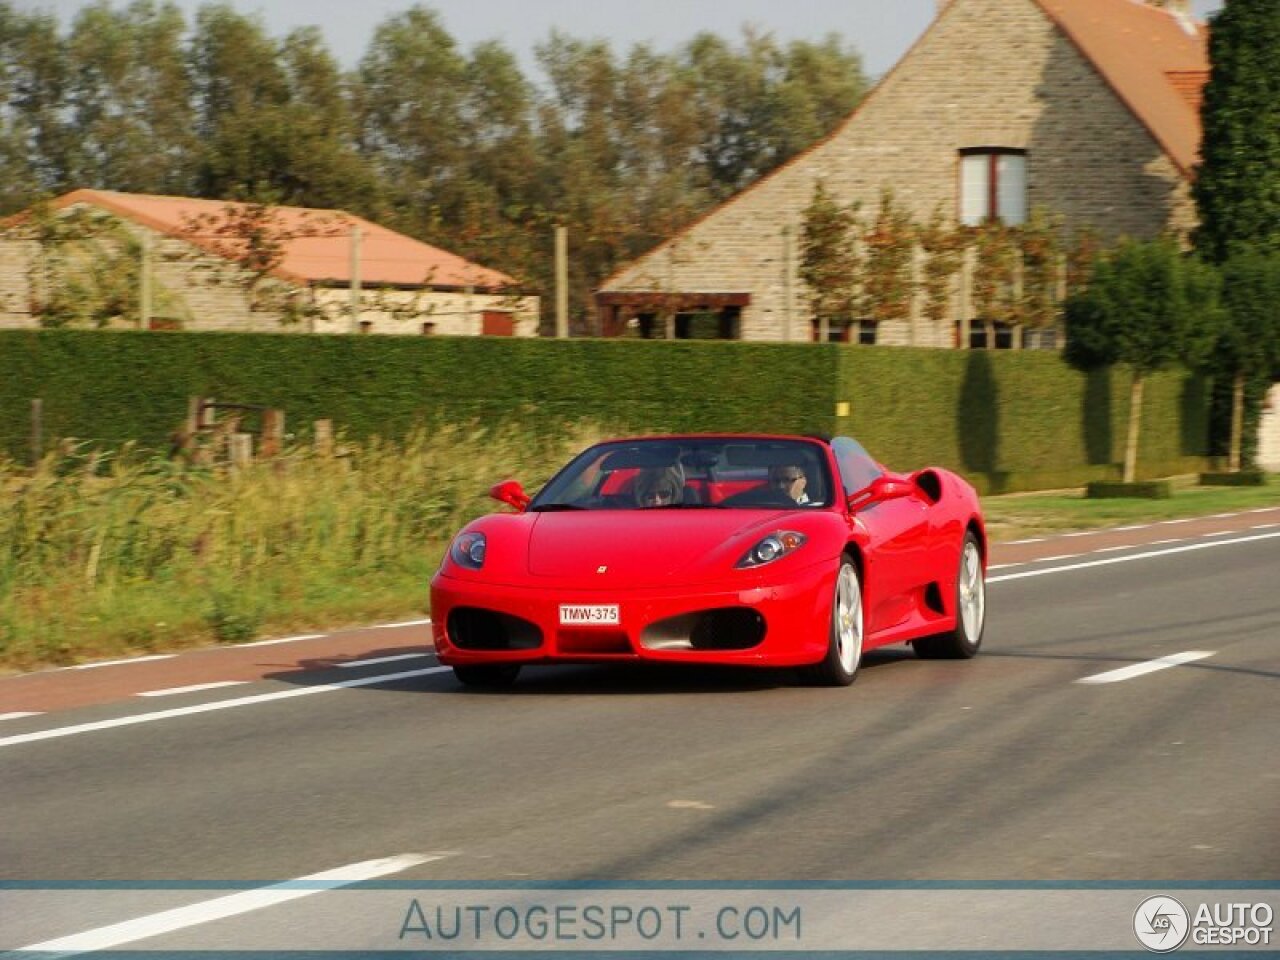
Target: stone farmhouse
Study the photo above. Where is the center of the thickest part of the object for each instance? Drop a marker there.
(1085, 109)
(213, 265)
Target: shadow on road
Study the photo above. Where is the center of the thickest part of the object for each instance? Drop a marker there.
(615, 679)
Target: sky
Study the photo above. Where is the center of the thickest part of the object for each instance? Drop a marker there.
(880, 30)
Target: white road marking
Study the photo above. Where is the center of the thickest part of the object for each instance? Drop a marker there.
(1146, 555)
(403, 623)
(117, 663)
(1264, 526)
(1221, 516)
(194, 688)
(1014, 543)
(179, 918)
(1156, 543)
(268, 643)
(370, 663)
(1061, 556)
(18, 715)
(1136, 526)
(215, 705)
(1151, 666)
(1180, 520)
(689, 805)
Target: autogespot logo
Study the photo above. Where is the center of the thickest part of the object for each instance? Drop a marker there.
(1161, 924)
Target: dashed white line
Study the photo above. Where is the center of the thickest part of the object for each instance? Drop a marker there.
(1156, 543)
(193, 688)
(179, 918)
(118, 663)
(215, 705)
(19, 714)
(1151, 666)
(268, 643)
(1015, 543)
(1264, 526)
(403, 623)
(374, 660)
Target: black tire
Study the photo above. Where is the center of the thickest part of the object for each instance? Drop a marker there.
(839, 667)
(971, 610)
(490, 676)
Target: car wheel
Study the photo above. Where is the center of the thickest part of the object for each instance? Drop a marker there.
(844, 646)
(494, 676)
(971, 610)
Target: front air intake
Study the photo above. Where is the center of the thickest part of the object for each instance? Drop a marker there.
(473, 628)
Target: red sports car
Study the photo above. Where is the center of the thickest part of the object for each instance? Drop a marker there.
(754, 550)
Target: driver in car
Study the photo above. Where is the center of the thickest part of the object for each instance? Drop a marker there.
(791, 480)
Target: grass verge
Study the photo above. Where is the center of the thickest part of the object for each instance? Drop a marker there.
(1019, 515)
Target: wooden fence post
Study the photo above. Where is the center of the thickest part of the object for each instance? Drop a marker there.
(324, 438)
(37, 431)
(241, 446)
(272, 433)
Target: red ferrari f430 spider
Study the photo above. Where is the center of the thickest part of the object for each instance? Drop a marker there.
(772, 551)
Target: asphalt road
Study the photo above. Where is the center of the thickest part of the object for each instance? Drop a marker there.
(1004, 768)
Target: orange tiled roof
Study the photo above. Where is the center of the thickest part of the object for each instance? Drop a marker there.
(1155, 60)
(319, 250)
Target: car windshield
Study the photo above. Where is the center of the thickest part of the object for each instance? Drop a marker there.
(692, 473)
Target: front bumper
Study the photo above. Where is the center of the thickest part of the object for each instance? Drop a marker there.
(782, 623)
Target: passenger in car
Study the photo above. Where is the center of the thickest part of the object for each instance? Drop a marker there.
(658, 487)
(791, 480)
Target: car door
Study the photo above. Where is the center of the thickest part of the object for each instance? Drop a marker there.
(898, 535)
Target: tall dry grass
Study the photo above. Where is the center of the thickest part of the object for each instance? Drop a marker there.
(113, 554)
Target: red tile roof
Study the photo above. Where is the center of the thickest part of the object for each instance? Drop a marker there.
(318, 244)
(1156, 61)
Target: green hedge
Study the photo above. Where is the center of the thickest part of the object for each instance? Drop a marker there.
(1009, 421)
(1017, 420)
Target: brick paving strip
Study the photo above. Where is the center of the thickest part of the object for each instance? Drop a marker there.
(52, 690)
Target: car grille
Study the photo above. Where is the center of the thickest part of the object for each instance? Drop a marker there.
(725, 628)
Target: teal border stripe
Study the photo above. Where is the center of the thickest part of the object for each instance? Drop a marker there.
(675, 885)
(653, 955)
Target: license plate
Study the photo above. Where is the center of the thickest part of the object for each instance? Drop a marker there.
(602, 615)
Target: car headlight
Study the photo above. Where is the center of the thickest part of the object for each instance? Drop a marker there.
(467, 550)
(773, 547)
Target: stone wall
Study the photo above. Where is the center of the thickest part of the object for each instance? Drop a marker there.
(989, 73)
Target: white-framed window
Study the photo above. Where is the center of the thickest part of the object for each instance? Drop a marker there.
(993, 185)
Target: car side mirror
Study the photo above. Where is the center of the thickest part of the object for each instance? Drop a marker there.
(879, 490)
(511, 493)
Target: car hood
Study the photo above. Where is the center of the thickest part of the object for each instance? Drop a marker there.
(642, 547)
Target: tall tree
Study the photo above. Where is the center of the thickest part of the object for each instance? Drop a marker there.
(1248, 347)
(1147, 306)
(37, 140)
(130, 97)
(1237, 187)
(412, 91)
